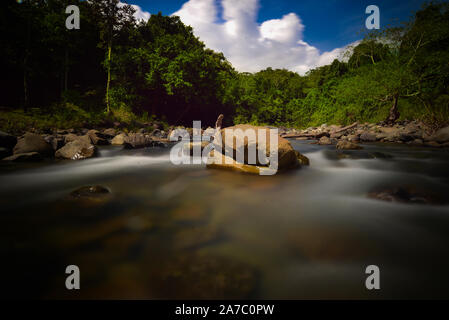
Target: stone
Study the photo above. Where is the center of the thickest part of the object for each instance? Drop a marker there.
(119, 139)
(97, 138)
(7, 141)
(110, 132)
(32, 142)
(56, 142)
(353, 138)
(24, 157)
(406, 194)
(368, 137)
(76, 150)
(302, 159)
(156, 133)
(138, 140)
(90, 191)
(347, 145)
(441, 135)
(325, 141)
(73, 137)
(286, 154)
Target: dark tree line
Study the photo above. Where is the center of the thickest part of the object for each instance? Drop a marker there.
(119, 68)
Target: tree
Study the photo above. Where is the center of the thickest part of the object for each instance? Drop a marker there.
(112, 18)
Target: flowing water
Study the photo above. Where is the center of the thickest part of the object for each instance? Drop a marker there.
(169, 231)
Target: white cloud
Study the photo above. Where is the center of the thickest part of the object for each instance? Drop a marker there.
(139, 14)
(251, 47)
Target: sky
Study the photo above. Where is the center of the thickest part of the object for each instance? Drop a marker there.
(294, 34)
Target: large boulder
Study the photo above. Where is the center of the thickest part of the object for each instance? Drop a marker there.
(76, 150)
(441, 135)
(31, 142)
(287, 156)
(7, 141)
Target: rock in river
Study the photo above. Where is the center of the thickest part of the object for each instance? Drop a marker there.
(287, 157)
(76, 150)
(90, 191)
(32, 142)
(346, 145)
(406, 194)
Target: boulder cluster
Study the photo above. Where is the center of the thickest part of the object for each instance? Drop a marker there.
(74, 144)
(413, 133)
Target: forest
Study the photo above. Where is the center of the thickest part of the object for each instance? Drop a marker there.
(115, 68)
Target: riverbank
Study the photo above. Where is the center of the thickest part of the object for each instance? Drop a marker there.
(78, 144)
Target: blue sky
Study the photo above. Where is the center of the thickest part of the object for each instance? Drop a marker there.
(328, 23)
(316, 30)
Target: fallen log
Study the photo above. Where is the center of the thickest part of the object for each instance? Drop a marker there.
(306, 135)
(346, 128)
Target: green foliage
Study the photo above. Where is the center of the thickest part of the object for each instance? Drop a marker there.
(142, 70)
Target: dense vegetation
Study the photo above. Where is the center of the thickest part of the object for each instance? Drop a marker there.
(116, 68)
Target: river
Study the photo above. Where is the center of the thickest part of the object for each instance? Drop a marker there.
(185, 231)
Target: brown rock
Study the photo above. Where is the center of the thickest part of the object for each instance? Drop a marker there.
(32, 142)
(367, 136)
(138, 140)
(73, 137)
(441, 135)
(76, 150)
(97, 138)
(119, 139)
(347, 145)
(325, 141)
(286, 154)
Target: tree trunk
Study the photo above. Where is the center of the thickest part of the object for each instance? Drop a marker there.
(394, 113)
(25, 90)
(109, 77)
(66, 68)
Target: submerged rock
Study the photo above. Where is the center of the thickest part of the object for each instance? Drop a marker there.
(76, 150)
(24, 157)
(347, 145)
(406, 194)
(90, 191)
